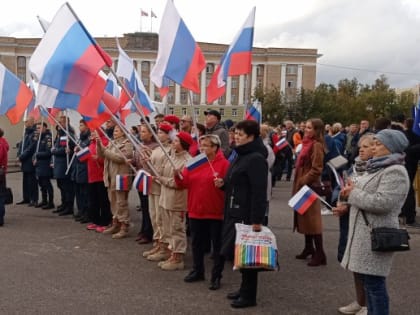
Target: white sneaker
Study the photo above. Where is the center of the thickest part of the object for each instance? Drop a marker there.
(326, 211)
(352, 308)
(363, 311)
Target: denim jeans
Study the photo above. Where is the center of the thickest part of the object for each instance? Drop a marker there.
(2, 210)
(376, 294)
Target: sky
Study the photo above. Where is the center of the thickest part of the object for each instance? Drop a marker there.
(359, 39)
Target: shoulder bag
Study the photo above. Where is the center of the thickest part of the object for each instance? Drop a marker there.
(385, 239)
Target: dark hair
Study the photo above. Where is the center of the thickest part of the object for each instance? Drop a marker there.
(184, 145)
(250, 127)
(201, 128)
(159, 116)
(135, 129)
(409, 122)
(1, 133)
(382, 123)
(82, 121)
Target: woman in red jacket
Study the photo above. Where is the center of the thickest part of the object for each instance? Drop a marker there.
(205, 208)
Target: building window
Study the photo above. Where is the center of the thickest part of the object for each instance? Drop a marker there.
(222, 111)
(259, 83)
(145, 65)
(260, 70)
(234, 112)
(184, 97)
(196, 98)
(291, 69)
(233, 98)
(234, 83)
(210, 68)
(197, 111)
(145, 81)
(21, 68)
(135, 64)
(115, 63)
(184, 111)
(290, 84)
(171, 98)
(171, 110)
(171, 83)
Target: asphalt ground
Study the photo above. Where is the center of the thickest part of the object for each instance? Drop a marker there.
(53, 265)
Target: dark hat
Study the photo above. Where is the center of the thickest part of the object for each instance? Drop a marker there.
(171, 119)
(166, 127)
(394, 140)
(214, 113)
(186, 137)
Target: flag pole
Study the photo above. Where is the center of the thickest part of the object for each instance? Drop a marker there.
(58, 124)
(194, 116)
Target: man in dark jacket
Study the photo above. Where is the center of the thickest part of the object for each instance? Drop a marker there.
(42, 163)
(215, 127)
(26, 151)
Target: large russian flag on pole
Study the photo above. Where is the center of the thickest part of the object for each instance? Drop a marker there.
(15, 96)
(179, 59)
(303, 199)
(236, 61)
(68, 58)
(133, 83)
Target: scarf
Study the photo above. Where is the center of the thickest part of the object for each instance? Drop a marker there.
(305, 153)
(359, 166)
(379, 163)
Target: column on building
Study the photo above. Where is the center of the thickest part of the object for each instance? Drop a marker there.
(151, 84)
(203, 93)
(229, 91)
(253, 78)
(177, 94)
(241, 90)
(299, 77)
(283, 78)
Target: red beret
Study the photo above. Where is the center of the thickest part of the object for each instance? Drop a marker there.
(186, 137)
(171, 119)
(165, 127)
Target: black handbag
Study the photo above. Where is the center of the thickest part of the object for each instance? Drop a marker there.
(322, 188)
(385, 239)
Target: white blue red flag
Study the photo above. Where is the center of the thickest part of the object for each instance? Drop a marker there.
(133, 83)
(282, 143)
(254, 112)
(122, 182)
(196, 162)
(179, 58)
(303, 199)
(83, 154)
(236, 61)
(63, 141)
(143, 182)
(15, 96)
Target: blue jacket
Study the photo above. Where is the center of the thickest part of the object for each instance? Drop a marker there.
(80, 170)
(60, 156)
(27, 151)
(42, 158)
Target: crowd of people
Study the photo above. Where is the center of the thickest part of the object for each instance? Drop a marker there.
(244, 160)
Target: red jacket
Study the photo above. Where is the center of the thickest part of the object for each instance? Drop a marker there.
(205, 201)
(96, 165)
(4, 148)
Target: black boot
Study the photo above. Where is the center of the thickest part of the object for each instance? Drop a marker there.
(49, 205)
(309, 248)
(68, 210)
(41, 204)
(318, 258)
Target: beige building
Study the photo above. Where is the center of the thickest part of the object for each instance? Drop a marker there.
(289, 69)
(415, 90)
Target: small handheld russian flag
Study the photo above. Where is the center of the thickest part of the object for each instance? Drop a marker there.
(143, 182)
(83, 154)
(302, 200)
(282, 143)
(63, 141)
(197, 161)
(122, 183)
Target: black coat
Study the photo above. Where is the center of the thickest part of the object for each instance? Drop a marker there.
(27, 151)
(43, 156)
(80, 170)
(60, 156)
(245, 186)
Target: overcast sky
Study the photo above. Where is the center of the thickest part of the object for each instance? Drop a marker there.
(357, 38)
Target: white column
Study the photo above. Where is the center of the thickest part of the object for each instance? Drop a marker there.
(241, 90)
(177, 94)
(229, 91)
(151, 84)
(203, 93)
(253, 78)
(283, 78)
(299, 78)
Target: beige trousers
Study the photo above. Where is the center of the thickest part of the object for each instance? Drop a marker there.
(119, 205)
(156, 217)
(174, 230)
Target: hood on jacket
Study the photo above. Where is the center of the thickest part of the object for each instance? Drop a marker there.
(257, 145)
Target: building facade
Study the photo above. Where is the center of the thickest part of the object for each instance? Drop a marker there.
(289, 69)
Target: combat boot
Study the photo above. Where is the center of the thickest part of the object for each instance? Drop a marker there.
(175, 263)
(114, 228)
(123, 232)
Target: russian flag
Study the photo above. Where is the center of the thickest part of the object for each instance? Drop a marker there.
(236, 61)
(133, 83)
(122, 183)
(197, 161)
(302, 200)
(63, 141)
(15, 96)
(83, 154)
(254, 112)
(281, 144)
(179, 58)
(68, 58)
(143, 182)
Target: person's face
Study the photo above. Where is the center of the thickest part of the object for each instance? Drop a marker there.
(364, 124)
(29, 122)
(242, 138)
(185, 123)
(309, 130)
(353, 128)
(163, 136)
(211, 120)
(39, 129)
(207, 147)
(145, 134)
(117, 132)
(82, 127)
(365, 150)
(379, 149)
(109, 124)
(158, 120)
(302, 126)
(176, 145)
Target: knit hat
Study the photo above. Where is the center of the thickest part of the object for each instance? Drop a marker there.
(186, 137)
(165, 127)
(172, 119)
(394, 140)
(214, 113)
